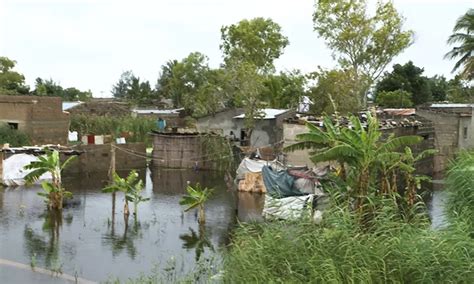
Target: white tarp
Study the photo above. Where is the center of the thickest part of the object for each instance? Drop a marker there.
(293, 207)
(13, 172)
(254, 166)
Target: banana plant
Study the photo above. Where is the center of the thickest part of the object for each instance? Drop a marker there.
(54, 193)
(132, 187)
(196, 198)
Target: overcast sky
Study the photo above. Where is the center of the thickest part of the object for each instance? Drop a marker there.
(88, 43)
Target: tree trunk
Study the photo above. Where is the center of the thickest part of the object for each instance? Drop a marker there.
(201, 216)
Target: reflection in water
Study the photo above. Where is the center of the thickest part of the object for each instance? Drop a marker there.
(85, 238)
(125, 241)
(250, 206)
(196, 241)
(46, 250)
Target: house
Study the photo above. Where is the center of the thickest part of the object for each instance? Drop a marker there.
(268, 129)
(41, 118)
(173, 117)
(454, 129)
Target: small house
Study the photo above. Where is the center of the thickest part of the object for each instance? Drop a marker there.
(41, 118)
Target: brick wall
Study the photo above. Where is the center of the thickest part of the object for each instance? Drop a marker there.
(41, 118)
(96, 158)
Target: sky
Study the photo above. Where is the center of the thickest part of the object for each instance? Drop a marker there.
(87, 44)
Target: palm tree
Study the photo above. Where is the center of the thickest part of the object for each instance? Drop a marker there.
(463, 33)
(50, 163)
(196, 197)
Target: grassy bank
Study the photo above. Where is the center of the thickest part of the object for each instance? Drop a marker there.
(391, 249)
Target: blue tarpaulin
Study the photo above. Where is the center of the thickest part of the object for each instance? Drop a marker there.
(279, 184)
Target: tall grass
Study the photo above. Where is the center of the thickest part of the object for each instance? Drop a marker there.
(14, 137)
(460, 190)
(339, 251)
(135, 129)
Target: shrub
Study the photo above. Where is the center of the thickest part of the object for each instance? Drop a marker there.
(460, 190)
(394, 99)
(339, 251)
(14, 137)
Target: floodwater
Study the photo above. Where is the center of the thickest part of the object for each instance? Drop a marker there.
(87, 242)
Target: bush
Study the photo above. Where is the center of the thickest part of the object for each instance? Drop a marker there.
(14, 137)
(460, 190)
(394, 99)
(340, 252)
(136, 128)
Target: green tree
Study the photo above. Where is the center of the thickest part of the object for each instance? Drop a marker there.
(367, 44)
(47, 88)
(182, 80)
(439, 88)
(335, 91)
(11, 82)
(407, 77)
(257, 41)
(463, 34)
(394, 99)
(132, 89)
(54, 193)
(284, 90)
(460, 91)
(247, 88)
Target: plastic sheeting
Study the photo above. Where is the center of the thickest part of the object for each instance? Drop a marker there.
(288, 208)
(253, 166)
(13, 172)
(295, 207)
(279, 184)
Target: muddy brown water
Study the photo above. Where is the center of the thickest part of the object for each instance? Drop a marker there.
(87, 242)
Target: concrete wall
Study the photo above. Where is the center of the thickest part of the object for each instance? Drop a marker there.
(41, 118)
(96, 158)
(265, 132)
(301, 157)
(449, 126)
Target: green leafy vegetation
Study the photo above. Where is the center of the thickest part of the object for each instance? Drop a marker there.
(339, 251)
(196, 198)
(132, 187)
(54, 193)
(460, 188)
(135, 129)
(364, 43)
(463, 34)
(394, 99)
(14, 137)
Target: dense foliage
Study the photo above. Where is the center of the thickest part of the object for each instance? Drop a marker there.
(14, 137)
(360, 41)
(460, 188)
(134, 129)
(394, 99)
(338, 251)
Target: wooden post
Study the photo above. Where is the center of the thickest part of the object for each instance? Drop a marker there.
(111, 175)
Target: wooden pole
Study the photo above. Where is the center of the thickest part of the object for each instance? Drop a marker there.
(111, 175)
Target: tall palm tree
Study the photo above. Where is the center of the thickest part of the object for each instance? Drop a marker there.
(463, 33)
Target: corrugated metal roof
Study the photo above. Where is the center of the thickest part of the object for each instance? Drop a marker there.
(400, 111)
(158, 111)
(68, 105)
(268, 113)
(452, 105)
